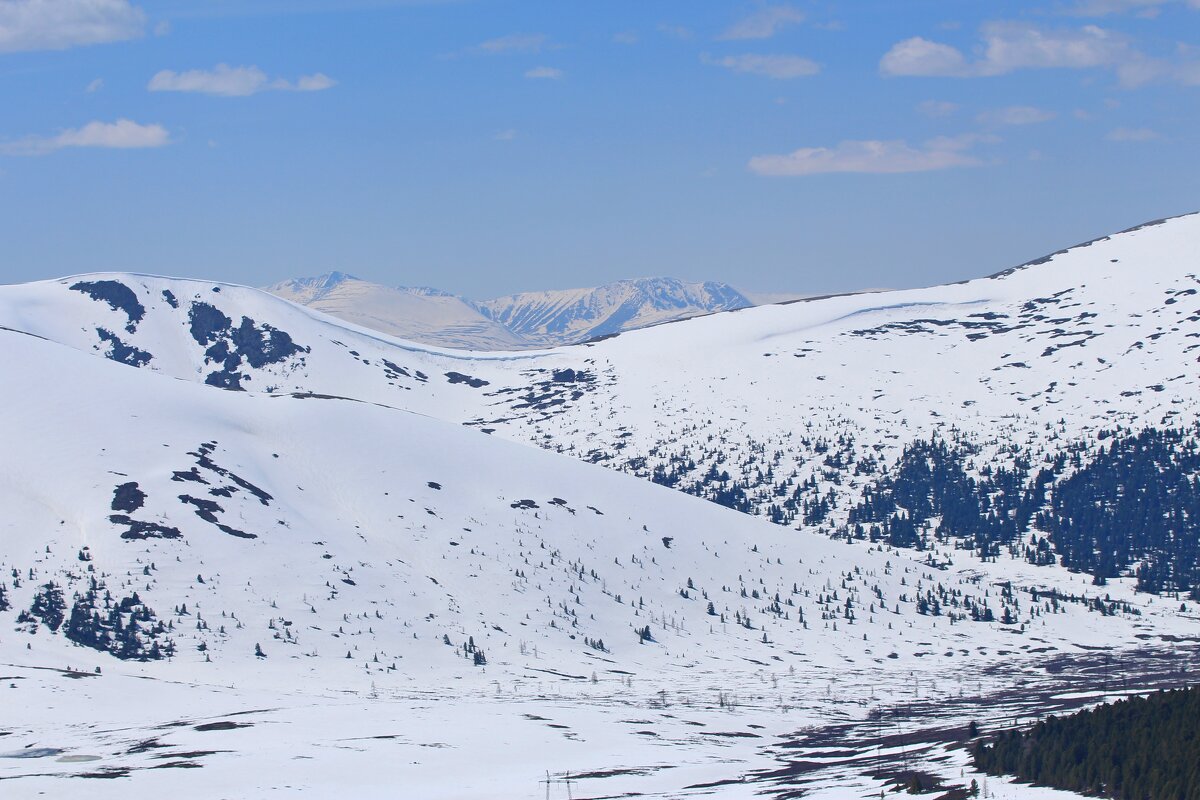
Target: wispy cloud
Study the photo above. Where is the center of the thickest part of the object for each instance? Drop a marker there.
(226, 81)
(872, 156)
(95, 86)
(123, 134)
(780, 67)
(1015, 115)
(1132, 135)
(545, 73)
(626, 37)
(317, 82)
(764, 23)
(60, 24)
(1010, 46)
(506, 135)
(513, 43)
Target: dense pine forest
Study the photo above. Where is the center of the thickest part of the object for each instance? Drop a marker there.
(1128, 505)
(1143, 748)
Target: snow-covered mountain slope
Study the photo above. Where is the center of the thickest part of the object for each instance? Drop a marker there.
(768, 409)
(521, 321)
(255, 557)
(577, 315)
(802, 400)
(314, 508)
(1094, 337)
(423, 315)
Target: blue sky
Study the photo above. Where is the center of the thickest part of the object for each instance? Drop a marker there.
(489, 146)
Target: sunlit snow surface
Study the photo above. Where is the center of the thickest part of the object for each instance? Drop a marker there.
(359, 523)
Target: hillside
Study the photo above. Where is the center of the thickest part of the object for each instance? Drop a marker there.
(804, 412)
(801, 413)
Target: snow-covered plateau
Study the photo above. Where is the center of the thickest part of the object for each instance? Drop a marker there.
(250, 550)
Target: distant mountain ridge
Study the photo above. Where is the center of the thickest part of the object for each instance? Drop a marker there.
(427, 316)
(574, 315)
(520, 321)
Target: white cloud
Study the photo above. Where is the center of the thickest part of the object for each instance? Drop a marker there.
(60, 24)
(1016, 45)
(1015, 115)
(877, 157)
(545, 73)
(223, 80)
(505, 135)
(513, 43)
(937, 108)
(779, 67)
(317, 82)
(123, 134)
(765, 23)
(920, 57)
(95, 85)
(626, 37)
(1132, 135)
(1010, 46)
(226, 81)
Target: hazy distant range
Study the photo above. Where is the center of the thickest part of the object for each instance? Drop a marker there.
(518, 321)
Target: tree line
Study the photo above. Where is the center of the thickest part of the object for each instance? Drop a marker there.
(1141, 748)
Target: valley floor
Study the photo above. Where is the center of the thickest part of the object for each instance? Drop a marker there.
(768, 733)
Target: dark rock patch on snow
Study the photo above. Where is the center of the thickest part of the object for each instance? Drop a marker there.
(230, 347)
(458, 377)
(118, 296)
(128, 497)
(124, 353)
(137, 529)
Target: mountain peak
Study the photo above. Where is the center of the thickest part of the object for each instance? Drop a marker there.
(308, 290)
(335, 277)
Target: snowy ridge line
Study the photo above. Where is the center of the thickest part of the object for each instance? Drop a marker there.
(1050, 256)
